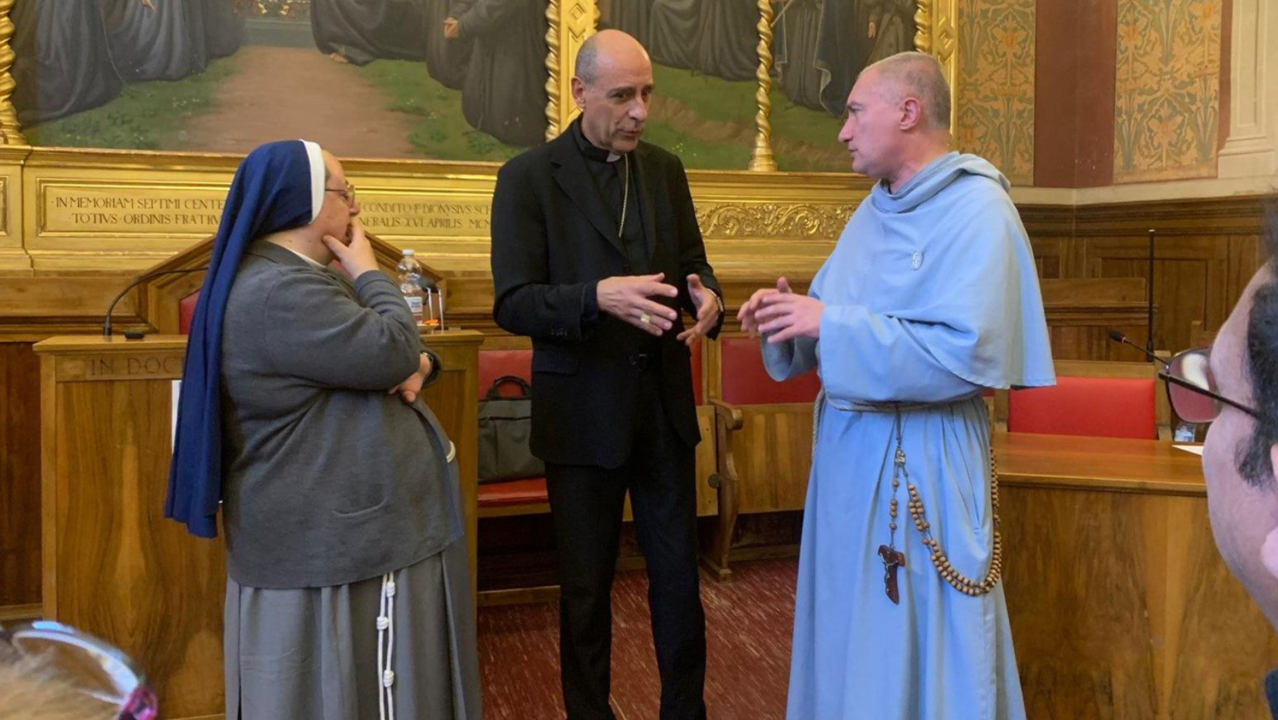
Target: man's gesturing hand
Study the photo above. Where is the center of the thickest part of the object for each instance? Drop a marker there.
(627, 297)
(707, 311)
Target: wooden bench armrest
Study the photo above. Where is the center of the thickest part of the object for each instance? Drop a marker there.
(728, 419)
(728, 414)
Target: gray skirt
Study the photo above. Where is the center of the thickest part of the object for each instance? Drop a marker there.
(313, 653)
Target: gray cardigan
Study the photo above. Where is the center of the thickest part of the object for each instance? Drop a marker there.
(329, 480)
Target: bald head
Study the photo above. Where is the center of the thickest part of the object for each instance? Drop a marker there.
(606, 49)
(612, 85)
(917, 75)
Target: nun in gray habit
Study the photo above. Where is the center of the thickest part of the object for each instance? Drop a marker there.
(349, 593)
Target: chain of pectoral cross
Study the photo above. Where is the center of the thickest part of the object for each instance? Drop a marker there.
(894, 559)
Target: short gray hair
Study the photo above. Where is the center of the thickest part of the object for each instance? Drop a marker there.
(587, 66)
(919, 75)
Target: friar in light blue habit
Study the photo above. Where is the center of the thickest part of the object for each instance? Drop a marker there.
(929, 298)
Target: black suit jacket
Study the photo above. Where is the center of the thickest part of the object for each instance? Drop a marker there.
(553, 240)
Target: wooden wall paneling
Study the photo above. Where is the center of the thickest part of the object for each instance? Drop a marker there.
(34, 308)
(1051, 256)
(1246, 256)
(1190, 217)
(19, 475)
(1051, 232)
(1190, 279)
(1079, 335)
(1081, 311)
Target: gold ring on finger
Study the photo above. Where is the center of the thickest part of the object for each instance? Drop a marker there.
(645, 318)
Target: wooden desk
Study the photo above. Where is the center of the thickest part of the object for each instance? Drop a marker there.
(1120, 604)
(1059, 461)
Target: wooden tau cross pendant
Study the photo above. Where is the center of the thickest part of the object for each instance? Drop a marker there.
(892, 559)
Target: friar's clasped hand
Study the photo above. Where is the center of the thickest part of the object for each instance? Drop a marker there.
(781, 314)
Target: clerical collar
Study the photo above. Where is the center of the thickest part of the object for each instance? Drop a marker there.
(589, 149)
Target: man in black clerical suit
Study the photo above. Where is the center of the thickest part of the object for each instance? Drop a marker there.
(595, 251)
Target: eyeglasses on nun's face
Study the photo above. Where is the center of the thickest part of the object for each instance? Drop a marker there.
(347, 194)
(1192, 389)
(89, 665)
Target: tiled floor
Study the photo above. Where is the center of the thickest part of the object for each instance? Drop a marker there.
(748, 623)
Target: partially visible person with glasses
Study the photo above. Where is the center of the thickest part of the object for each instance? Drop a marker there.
(1234, 386)
(50, 671)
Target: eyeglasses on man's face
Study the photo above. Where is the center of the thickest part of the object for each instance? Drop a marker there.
(1192, 389)
(347, 194)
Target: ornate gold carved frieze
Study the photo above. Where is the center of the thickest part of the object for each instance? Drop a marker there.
(772, 220)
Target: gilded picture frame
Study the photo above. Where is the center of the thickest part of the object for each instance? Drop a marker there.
(569, 23)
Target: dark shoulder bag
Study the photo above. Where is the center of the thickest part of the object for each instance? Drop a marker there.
(505, 429)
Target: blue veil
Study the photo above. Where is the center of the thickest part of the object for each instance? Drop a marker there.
(279, 186)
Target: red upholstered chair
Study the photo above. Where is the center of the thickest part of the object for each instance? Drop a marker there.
(763, 437)
(186, 311)
(1096, 399)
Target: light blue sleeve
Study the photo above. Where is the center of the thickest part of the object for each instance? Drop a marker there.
(877, 357)
(974, 320)
(792, 358)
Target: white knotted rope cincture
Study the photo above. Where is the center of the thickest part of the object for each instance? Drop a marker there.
(386, 650)
(386, 638)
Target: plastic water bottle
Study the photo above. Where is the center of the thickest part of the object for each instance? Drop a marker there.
(1185, 432)
(410, 283)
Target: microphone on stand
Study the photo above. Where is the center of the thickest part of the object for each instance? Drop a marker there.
(106, 320)
(1149, 299)
(1118, 337)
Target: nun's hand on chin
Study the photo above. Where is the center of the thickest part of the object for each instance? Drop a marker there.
(357, 255)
